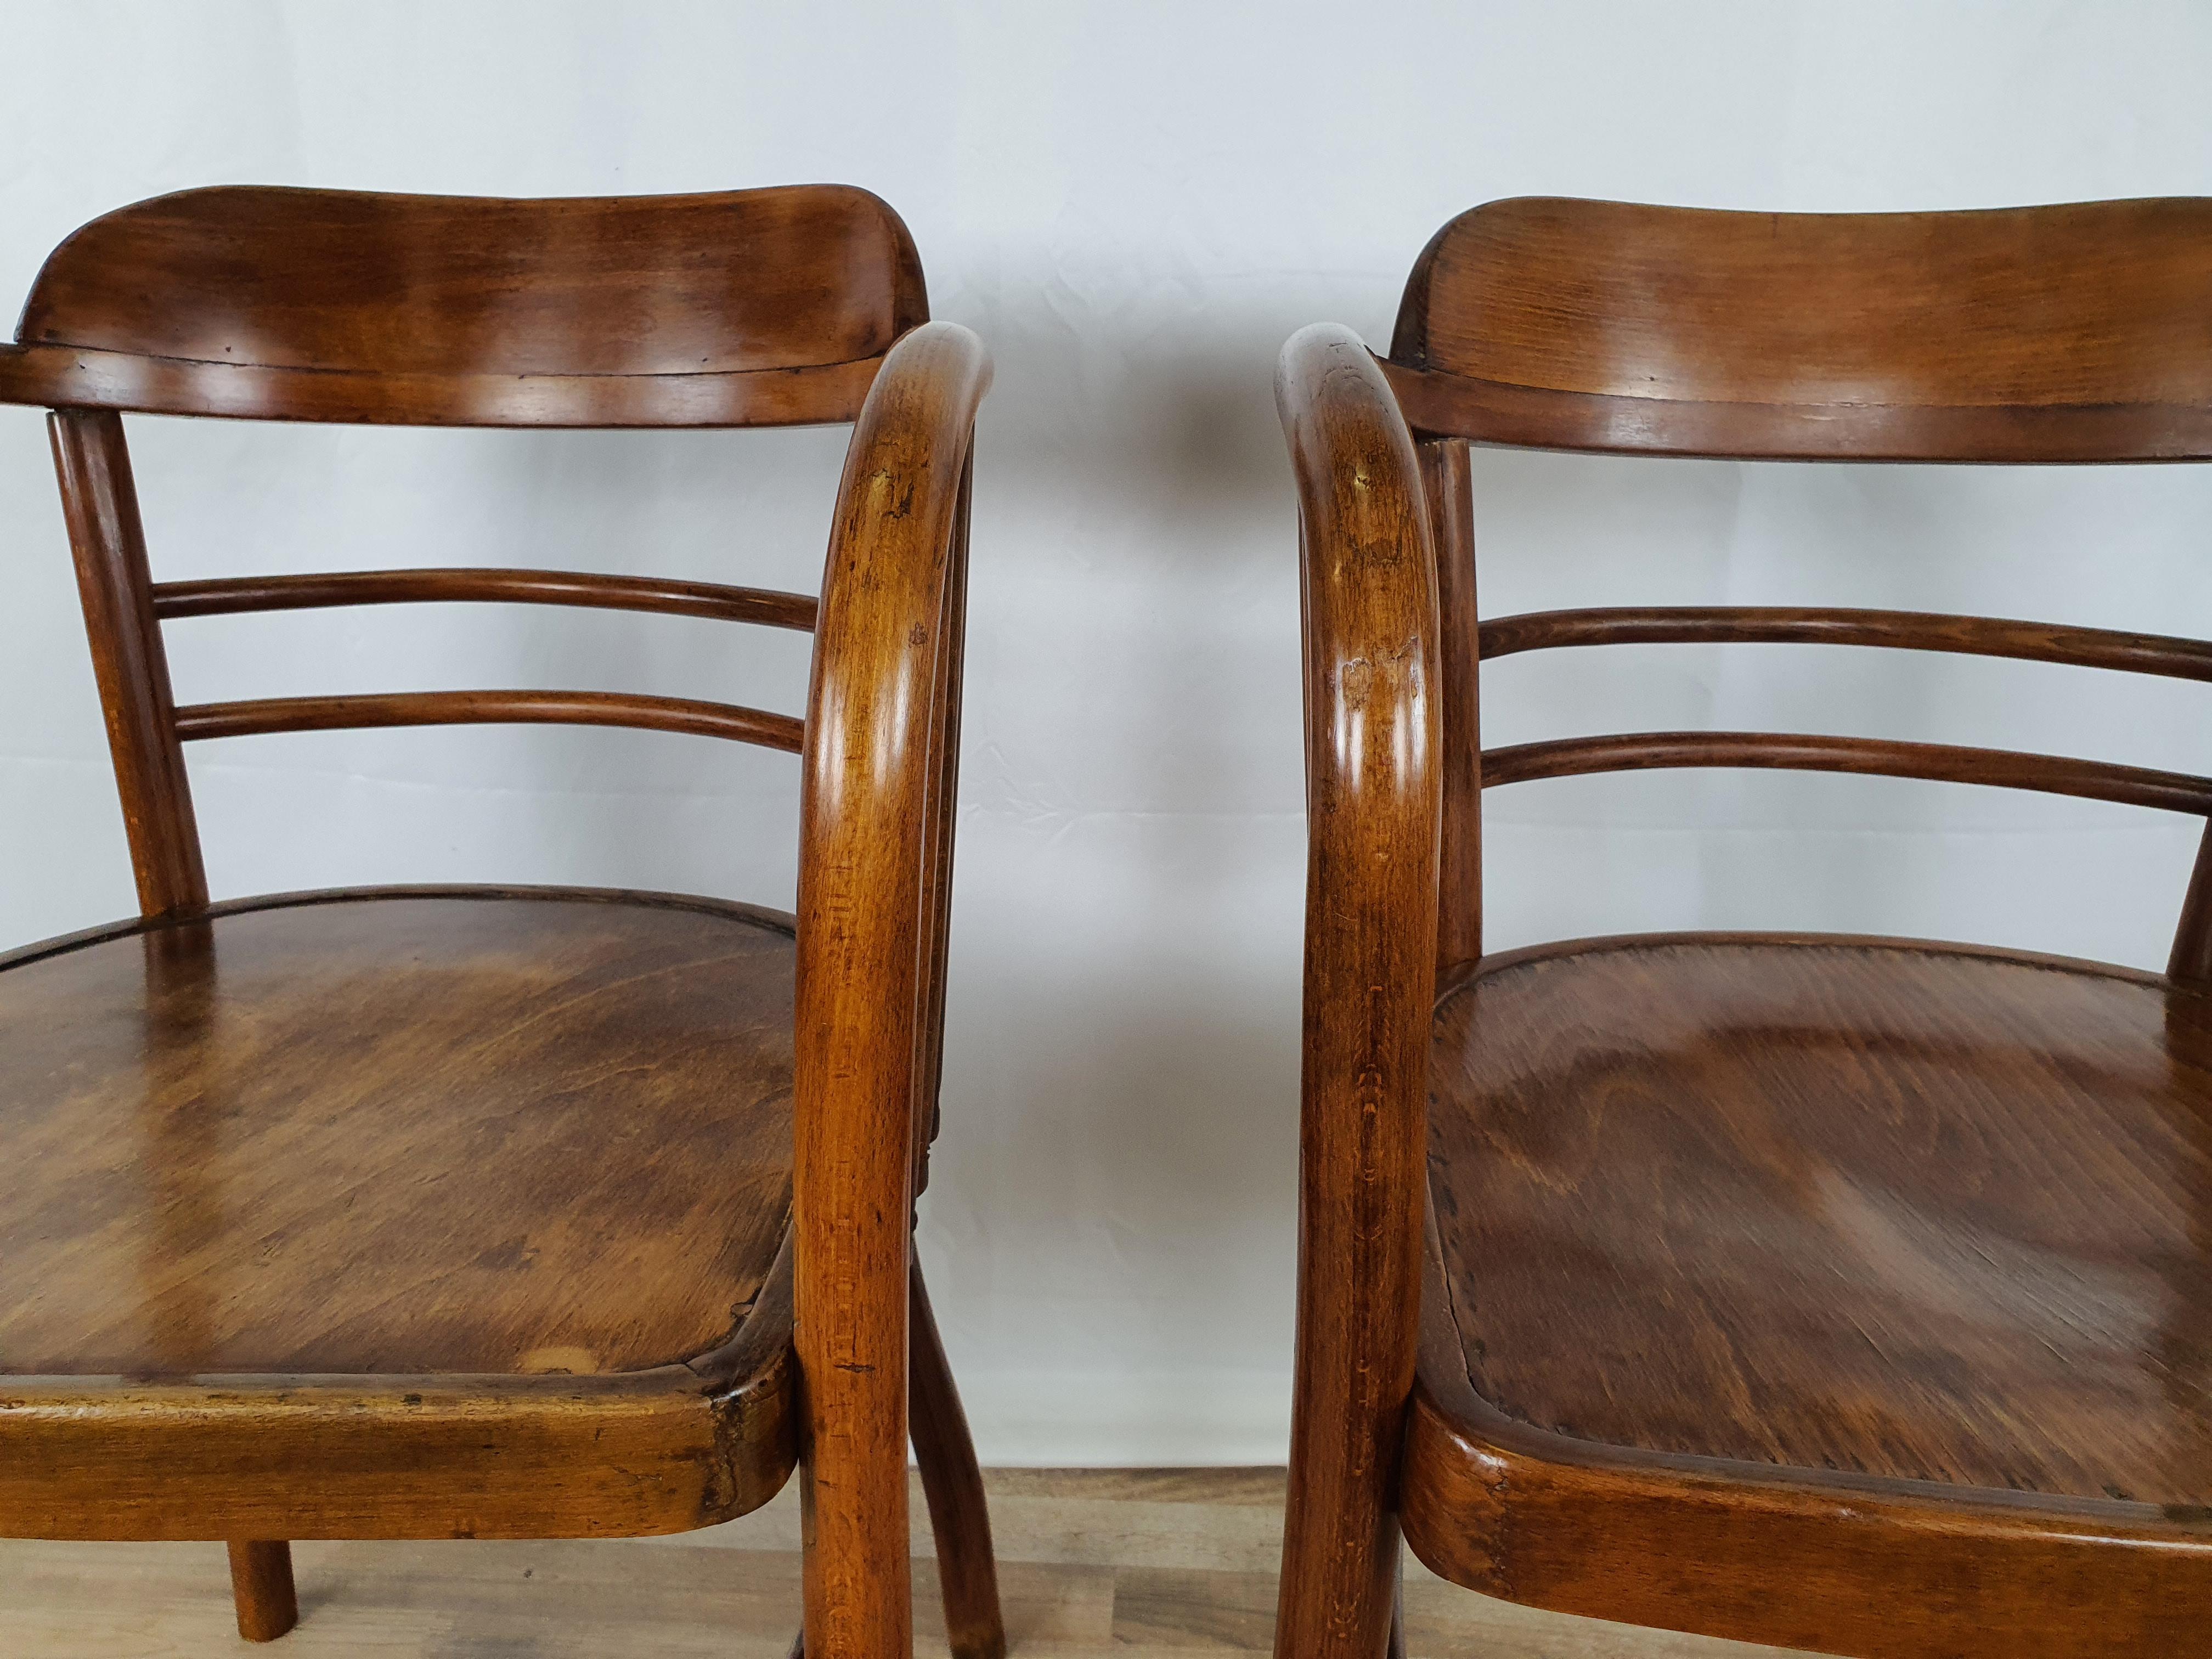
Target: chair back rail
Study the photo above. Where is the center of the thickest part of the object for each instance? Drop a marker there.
(743, 307)
(2077, 332)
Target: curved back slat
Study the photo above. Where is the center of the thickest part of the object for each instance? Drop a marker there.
(2080, 331)
(1628, 751)
(738, 308)
(1904, 631)
(706, 720)
(714, 601)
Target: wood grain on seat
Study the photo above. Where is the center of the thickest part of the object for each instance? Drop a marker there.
(1918, 1212)
(410, 1134)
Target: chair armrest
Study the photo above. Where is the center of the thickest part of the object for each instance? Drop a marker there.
(1373, 805)
(886, 664)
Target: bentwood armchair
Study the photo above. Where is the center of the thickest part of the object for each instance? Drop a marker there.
(501, 1212)
(1839, 1293)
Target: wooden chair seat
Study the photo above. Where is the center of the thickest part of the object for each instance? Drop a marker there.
(1862, 1217)
(494, 1136)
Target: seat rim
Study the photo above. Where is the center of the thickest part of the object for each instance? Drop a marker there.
(1533, 1515)
(451, 1453)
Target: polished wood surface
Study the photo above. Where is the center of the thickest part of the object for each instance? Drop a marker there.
(1920, 1213)
(871, 832)
(1142, 1562)
(262, 1591)
(739, 308)
(443, 1214)
(714, 601)
(2076, 332)
(952, 1488)
(1367, 564)
(395, 1134)
(256, 716)
(1848, 1295)
(1634, 751)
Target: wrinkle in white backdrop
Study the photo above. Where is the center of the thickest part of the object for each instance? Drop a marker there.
(1134, 204)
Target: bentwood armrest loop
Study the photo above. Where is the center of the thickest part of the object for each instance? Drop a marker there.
(884, 665)
(1373, 804)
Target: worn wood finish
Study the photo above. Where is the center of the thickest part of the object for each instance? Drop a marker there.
(2192, 956)
(873, 784)
(2076, 332)
(742, 308)
(394, 1134)
(1904, 630)
(1567, 757)
(100, 503)
(714, 601)
(262, 1590)
(1448, 482)
(259, 715)
(1372, 732)
(445, 1214)
(1845, 1295)
(1909, 1211)
(952, 1483)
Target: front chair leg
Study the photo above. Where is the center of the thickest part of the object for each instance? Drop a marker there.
(261, 1585)
(954, 1487)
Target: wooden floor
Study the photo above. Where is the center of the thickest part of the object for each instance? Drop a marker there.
(1092, 1562)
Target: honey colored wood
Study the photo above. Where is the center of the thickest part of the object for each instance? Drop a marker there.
(1448, 482)
(1909, 630)
(1367, 564)
(714, 601)
(1906, 1211)
(741, 308)
(873, 788)
(2076, 332)
(1852, 1296)
(99, 504)
(1567, 757)
(952, 1483)
(395, 1134)
(258, 717)
(262, 1590)
(469, 1214)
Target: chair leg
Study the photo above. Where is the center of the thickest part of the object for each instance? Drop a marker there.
(954, 1487)
(1397, 1648)
(261, 1585)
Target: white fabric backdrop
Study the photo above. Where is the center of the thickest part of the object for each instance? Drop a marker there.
(1135, 204)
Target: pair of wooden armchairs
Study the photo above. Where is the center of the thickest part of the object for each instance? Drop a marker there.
(1847, 1294)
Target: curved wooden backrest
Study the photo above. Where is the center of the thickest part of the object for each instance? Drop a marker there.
(738, 307)
(2080, 331)
(743, 307)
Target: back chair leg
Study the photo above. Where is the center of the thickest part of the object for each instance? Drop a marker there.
(954, 1487)
(261, 1585)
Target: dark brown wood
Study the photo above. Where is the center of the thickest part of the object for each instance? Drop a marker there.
(1567, 757)
(1903, 1211)
(952, 1483)
(455, 1212)
(1852, 1296)
(549, 1073)
(229, 595)
(872, 784)
(2192, 957)
(741, 308)
(261, 1586)
(943, 811)
(1905, 630)
(706, 719)
(99, 504)
(1448, 482)
(1372, 740)
(2069, 333)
